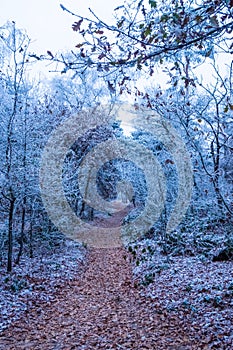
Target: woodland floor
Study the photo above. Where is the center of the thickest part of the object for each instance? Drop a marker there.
(106, 302)
(103, 308)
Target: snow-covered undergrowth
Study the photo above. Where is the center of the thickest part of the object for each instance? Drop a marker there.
(35, 279)
(193, 285)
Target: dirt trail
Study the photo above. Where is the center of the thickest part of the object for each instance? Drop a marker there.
(100, 310)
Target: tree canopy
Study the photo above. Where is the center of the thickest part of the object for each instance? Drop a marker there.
(147, 32)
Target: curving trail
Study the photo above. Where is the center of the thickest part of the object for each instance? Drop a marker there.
(102, 309)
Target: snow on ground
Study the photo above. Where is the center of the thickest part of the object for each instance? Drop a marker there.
(36, 279)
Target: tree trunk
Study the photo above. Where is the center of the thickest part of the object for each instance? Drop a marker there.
(10, 235)
(21, 238)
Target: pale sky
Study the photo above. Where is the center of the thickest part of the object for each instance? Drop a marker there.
(47, 25)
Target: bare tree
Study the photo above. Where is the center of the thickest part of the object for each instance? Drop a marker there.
(15, 43)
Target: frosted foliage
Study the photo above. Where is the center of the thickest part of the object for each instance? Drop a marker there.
(51, 174)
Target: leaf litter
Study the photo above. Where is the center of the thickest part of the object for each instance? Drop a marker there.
(188, 305)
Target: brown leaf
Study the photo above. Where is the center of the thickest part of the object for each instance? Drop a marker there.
(169, 161)
(76, 26)
(99, 32)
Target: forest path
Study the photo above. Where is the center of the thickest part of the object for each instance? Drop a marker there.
(102, 309)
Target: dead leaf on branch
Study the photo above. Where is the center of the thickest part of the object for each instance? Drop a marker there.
(100, 32)
(77, 25)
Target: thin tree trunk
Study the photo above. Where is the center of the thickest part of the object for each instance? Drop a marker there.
(30, 236)
(10, 235)
(21, 238)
